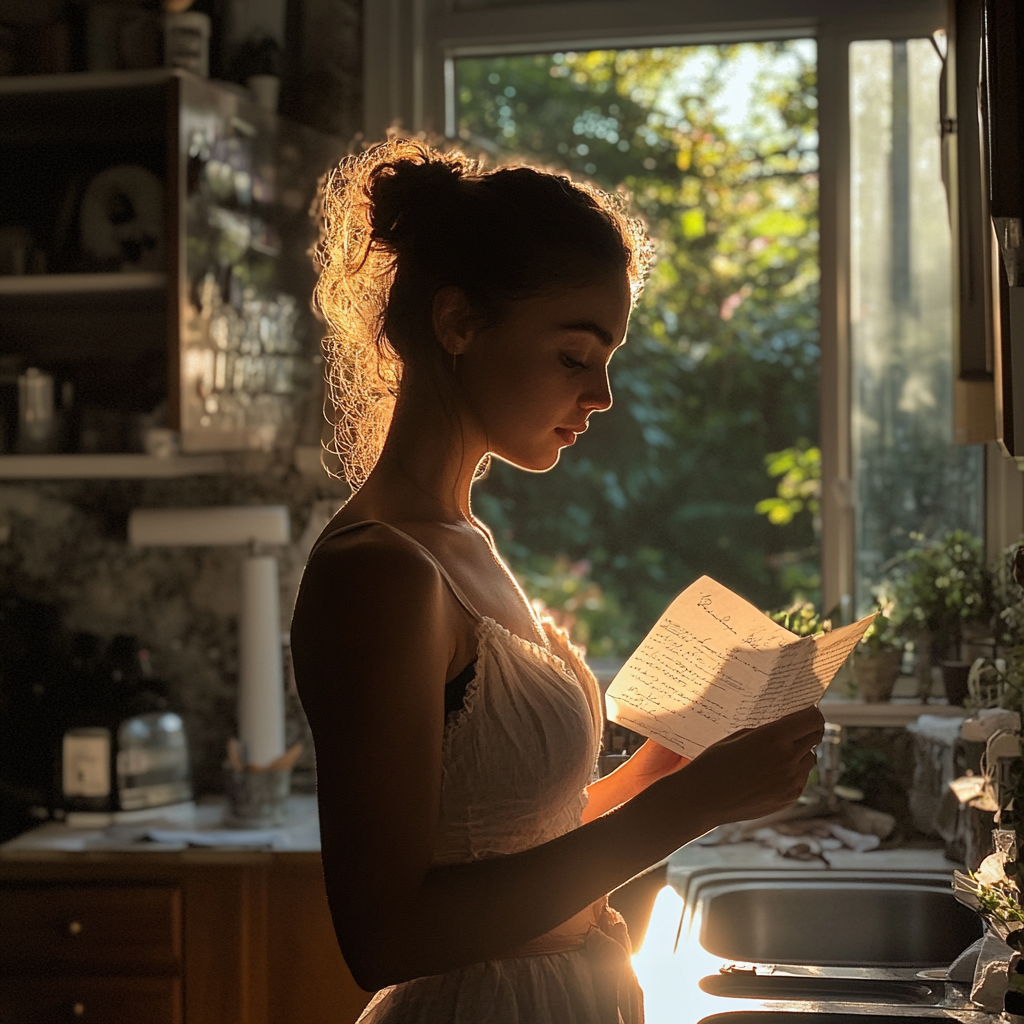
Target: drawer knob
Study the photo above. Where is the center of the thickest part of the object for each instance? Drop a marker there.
(75, 928)
(78, 1009)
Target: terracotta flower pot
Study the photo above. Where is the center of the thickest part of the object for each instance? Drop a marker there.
(876, 674)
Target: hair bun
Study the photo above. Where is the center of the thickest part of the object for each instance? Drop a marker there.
(411, 189)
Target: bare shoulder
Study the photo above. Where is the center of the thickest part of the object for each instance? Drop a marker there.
(375, 570)
(368, 600)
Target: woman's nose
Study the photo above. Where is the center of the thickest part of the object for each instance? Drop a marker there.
(599, 397)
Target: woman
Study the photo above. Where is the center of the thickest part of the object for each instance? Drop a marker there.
(466, 851)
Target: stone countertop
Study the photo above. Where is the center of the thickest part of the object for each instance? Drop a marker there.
(694, 858)
(54, 841)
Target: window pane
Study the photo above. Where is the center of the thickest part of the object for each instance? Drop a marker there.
(909, 476)
(718, 145)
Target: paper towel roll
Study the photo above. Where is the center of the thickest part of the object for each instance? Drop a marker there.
(209, 527)
(260, 675)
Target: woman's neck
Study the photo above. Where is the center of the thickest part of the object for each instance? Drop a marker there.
(429, 460)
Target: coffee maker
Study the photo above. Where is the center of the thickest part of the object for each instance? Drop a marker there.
(126, 749)
(85, 726)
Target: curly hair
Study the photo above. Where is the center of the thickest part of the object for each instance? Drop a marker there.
(402, 220)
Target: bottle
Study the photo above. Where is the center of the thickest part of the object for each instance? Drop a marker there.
(37, 422)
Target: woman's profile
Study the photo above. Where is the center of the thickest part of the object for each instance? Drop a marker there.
(466, 850)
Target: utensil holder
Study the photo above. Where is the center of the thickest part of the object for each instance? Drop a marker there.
(256, 799)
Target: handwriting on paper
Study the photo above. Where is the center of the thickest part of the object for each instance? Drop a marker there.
(714, 664)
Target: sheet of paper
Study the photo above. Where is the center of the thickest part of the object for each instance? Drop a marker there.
(802, 670)
(713, 663)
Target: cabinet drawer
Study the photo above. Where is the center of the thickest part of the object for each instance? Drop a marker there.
(103, 1000)
(72, 929)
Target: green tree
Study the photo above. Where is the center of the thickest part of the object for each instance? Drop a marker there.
(721, 366)
(797, 495)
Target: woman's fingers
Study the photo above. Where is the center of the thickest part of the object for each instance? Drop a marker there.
(802, 728)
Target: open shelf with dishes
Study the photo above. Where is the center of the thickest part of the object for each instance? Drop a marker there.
(25, 285)
(154, 274)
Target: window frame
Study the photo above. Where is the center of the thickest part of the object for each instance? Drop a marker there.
(410, 50)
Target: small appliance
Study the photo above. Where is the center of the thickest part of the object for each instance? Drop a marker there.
(126, 750)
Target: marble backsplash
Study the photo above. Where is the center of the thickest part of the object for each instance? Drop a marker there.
(65, 544)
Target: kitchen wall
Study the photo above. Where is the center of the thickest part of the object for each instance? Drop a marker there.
(65, 542)
(65, 545)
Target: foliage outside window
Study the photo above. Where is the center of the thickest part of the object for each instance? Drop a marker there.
(912, 484)
(718, 146)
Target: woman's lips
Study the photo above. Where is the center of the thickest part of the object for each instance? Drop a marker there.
(567, 436)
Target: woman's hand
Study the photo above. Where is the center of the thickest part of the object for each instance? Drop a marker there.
(754, 772)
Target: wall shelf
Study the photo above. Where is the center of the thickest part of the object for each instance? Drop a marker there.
(883, 714)
(80, 284)
(108, 467)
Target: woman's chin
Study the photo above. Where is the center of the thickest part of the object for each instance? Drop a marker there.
(534, 461)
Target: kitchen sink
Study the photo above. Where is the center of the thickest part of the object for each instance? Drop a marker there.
(748, 985)
(816, 1017)
(863, 921)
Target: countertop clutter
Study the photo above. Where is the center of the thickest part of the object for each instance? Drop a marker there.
(195, 827)
(110, 925)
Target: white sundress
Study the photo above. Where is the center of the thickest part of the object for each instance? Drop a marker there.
(516, 761)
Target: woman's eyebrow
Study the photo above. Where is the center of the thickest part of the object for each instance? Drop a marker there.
(589, 327)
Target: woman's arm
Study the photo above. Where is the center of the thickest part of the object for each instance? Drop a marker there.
(650, 763)
(373, 643)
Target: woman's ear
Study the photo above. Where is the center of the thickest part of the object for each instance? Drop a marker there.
(452, 319)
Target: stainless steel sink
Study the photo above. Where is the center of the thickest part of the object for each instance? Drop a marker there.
(821, 1017)
(748, 985)
(862, 921)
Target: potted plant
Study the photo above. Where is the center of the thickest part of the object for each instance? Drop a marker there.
(801, 618)
(876, 660)
(943, 589)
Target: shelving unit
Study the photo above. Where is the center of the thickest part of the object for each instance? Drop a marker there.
(108, 467)
(80, 284)
(207, 327)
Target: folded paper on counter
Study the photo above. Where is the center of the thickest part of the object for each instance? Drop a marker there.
(216, 837)
(714, 664)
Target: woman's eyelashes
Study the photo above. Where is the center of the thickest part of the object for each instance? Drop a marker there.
(570, 363)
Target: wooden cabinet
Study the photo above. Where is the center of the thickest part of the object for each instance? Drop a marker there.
(38, 1000)
(198, 937)
(77, 929)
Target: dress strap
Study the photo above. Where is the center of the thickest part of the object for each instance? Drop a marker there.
(455, 588)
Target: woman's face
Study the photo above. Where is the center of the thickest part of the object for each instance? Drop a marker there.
(532, 381)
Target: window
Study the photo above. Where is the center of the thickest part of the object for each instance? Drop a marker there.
(719, 381)
(909, 476)
(418, 51)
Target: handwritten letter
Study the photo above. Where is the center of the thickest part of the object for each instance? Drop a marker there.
(713, 664)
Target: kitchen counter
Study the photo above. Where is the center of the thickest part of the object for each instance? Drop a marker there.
(257, 944)
(167, 932)
(753, 856)
(55, 841)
